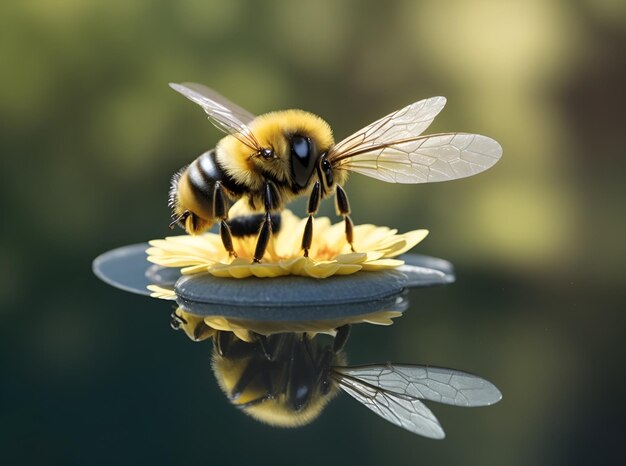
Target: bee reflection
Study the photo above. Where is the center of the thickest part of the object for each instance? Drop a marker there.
(283, 380)
(286, 379)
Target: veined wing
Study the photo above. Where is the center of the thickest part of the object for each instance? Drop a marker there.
(426, 159)
(438, 384)
(401, 410)
(408, 122)
(392, 149)
(225, 115)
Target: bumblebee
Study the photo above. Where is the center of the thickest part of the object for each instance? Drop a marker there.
(287, 379)
(273, 158)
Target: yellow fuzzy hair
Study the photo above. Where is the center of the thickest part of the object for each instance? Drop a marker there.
(272, 131)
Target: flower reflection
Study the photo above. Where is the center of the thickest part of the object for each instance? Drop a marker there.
(199, 328)
(329, 255)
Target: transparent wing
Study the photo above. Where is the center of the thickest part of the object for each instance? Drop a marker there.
(225, 115)
(438, 384)
(408, 122)
(427, 159)
(394, 391)
(393, 150)
(403, 411)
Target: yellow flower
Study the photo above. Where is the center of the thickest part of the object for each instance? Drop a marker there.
(329, 254)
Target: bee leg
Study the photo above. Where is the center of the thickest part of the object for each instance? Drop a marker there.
(251, 371)
(269, 344)
(256, 401)
(177, 321)
(220, 210)
(180, 220)
(314, 203)
(341, 337)
(221, 342)
(263, 344)
(270, 198)
(264, 238)
(343, 209)
(227, 239)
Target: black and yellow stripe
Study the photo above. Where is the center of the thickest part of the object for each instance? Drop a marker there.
(196, 186)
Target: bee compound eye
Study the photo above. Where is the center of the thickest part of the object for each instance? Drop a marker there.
(301, 148)
(302, 159)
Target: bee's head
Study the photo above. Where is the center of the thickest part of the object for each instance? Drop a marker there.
(291, 142)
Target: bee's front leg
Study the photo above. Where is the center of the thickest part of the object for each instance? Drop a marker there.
(270, 345)
(222, 342)
(343, 209)
(220, 211)
(271, 201)
(341, 337)
(314, 203)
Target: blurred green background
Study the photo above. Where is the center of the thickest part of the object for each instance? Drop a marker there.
(90, 134)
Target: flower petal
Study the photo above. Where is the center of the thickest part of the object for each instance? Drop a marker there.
(329, 253)
(353, 257)
(194, 269)
(161, 293)
(265, 270)
(410, 239)
(321, 269)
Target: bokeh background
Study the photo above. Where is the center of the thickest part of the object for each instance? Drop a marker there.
(90, 134)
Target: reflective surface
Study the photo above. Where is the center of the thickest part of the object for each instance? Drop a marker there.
(286, 379)
(126, 268)
(268, 356)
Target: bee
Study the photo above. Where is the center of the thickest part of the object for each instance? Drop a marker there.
(273, 158)
(287, 379)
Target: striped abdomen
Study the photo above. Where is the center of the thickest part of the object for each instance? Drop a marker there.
(195, 187)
